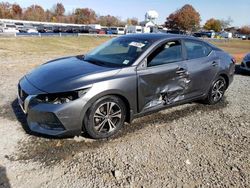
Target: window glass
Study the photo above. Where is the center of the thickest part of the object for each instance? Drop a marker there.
(119, 51)
(196, 49)
(168, 53)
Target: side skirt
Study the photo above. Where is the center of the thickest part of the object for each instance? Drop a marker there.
(163, 107)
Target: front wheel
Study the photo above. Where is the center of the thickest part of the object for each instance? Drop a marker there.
(105, 118)
(217, 91)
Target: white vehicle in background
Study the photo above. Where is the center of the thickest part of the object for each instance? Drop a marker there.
(244, 37)
(95, 26)
(121, 30)
(1, 28)
(118, 30)
(146, 30)
(32, 30)
(134, 29)
(226, 35)
(8, 28)
(27, 29)
(241, 36)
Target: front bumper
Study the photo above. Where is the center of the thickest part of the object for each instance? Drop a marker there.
(50, 119)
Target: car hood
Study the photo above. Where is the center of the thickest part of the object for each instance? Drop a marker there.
(67, 74)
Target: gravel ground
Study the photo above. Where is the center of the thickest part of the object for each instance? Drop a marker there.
(193, 145)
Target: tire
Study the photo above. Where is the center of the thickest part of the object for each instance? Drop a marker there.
(216, 91)
(105, 117)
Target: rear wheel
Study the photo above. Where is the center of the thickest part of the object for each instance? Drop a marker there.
(105, 118)
(217, 91)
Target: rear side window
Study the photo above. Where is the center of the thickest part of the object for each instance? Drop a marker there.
(168, 53)
(196, 49)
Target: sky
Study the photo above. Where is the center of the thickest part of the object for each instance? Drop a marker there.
(238, 10)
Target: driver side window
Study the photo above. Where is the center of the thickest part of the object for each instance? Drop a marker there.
(167, 53)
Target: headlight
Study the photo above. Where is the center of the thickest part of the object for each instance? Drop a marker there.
(60, 98)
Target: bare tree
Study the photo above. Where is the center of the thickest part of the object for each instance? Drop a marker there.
(226, 23)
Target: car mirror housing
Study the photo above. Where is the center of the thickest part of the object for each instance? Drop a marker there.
(143, 64)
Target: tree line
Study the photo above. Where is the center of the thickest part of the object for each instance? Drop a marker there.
(57, 14)
(188, 19)
(185, 18)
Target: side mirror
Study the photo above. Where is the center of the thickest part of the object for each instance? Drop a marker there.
(143, 64)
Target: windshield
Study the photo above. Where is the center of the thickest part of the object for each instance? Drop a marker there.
(118, 52)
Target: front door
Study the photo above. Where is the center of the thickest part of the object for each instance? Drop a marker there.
(165, 79)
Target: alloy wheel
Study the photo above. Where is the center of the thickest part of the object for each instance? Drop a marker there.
(218, 90)
(106, 117)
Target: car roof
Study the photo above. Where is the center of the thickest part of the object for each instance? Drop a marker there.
(157, 36)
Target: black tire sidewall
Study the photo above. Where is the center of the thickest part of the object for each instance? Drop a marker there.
(89, 123)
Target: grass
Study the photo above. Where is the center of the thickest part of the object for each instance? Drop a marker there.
(19, 47)
(237, 48)
(32, 48)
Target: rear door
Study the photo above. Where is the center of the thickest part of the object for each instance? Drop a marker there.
(202, 65)
(164, 78)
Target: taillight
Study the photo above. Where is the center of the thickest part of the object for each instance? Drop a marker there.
(233, 60)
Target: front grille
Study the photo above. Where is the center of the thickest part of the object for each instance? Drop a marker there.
(22, 94)
(46, 120)
(248, 64)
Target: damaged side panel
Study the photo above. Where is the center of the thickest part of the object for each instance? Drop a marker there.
(163, 85)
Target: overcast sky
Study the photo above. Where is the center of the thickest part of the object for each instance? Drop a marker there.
(222, 9)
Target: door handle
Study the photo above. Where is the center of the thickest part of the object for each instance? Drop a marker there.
(181, 71)
(214, 64)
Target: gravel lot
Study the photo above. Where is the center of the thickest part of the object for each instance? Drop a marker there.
(193, 145)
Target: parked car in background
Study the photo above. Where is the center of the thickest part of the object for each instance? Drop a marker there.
(57, 29)
(176, 32)
(27, 30)
(48, 29)
(41, 29)
(133, 29)
(118, 30)
(76, 29)
(69, 29)
(9, 28)
(102, 32)
(245, 65)
(121, 30)
(226, 35)
(97, 31)
(19, 25)
(207, 34)
(241, 36)
(127, 77)
(244, 37)
(84, 29)
(107, 30)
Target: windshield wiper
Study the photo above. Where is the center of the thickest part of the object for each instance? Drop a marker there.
(95, 62)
